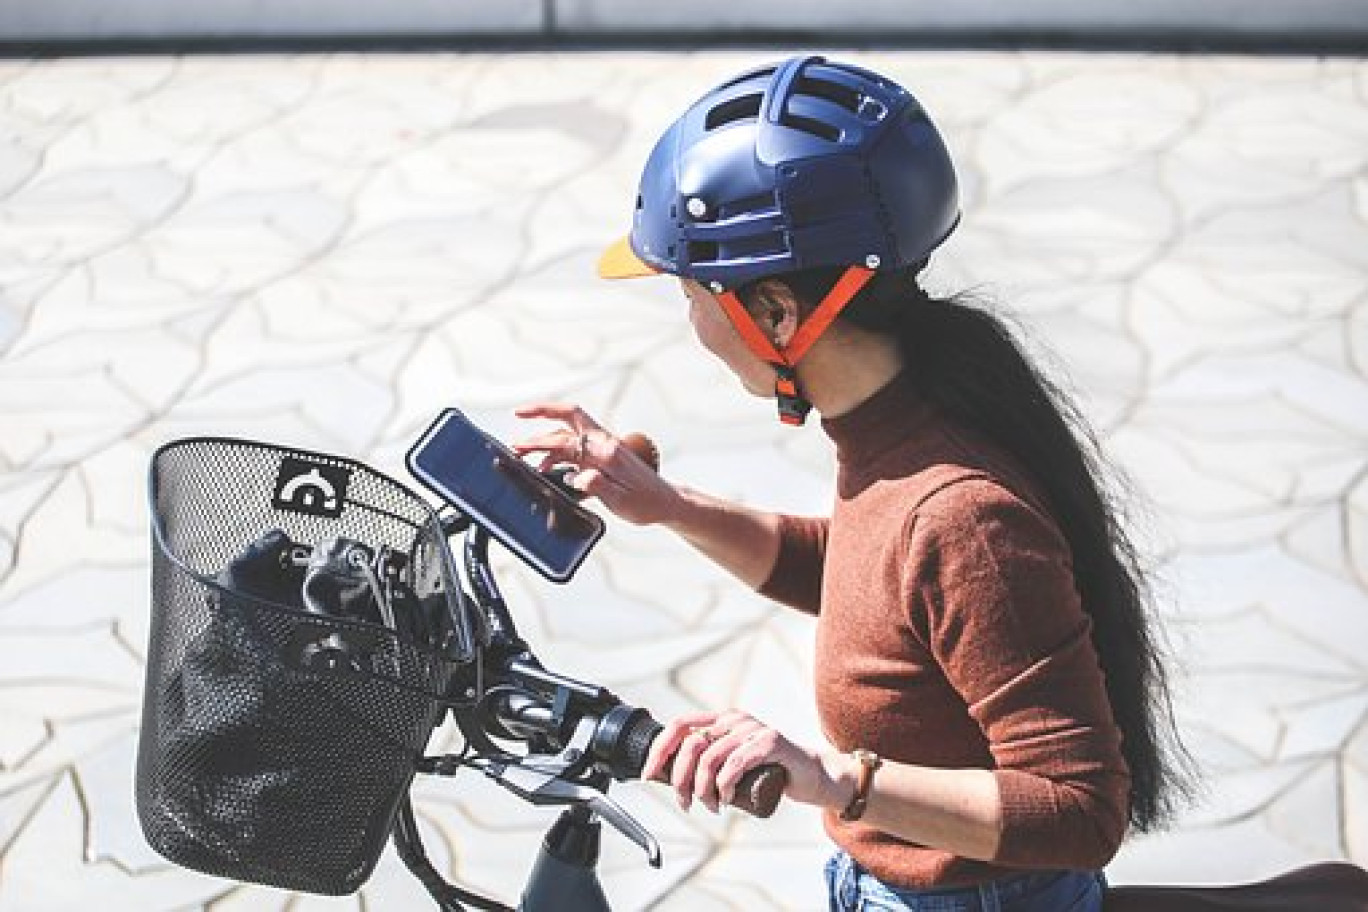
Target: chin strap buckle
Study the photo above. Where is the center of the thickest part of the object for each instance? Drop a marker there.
(793, 408)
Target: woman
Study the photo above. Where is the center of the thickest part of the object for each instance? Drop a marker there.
(985, 669)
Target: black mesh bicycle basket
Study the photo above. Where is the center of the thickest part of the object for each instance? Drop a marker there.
(307, 625)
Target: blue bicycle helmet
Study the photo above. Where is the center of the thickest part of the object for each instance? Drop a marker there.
(806, 164)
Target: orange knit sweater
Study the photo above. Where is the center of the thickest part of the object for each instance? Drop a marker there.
(950, 634)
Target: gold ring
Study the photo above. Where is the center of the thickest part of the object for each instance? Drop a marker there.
(705, 731)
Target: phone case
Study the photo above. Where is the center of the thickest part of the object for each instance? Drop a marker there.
(525, 511)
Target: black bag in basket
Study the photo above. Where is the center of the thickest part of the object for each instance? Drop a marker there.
(289, 692)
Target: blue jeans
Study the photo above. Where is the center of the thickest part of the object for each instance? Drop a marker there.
(851, 889)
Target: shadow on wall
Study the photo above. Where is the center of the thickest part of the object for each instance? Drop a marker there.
(1341, 23)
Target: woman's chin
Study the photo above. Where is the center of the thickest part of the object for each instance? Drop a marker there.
(757, 390)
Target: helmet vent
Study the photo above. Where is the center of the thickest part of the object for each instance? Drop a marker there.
(836, 93)
(733, 110)
(761, 202)
(764, 72)
(702, 251)
(809, 125)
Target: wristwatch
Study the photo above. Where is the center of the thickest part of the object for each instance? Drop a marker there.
(869, 762)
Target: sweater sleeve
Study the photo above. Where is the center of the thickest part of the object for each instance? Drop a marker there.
(796, 578)
(1005, 623)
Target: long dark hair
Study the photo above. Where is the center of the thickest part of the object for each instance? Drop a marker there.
(966, 363)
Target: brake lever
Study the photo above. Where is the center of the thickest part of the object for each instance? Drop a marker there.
(561, 779)
(546, 780)
(541, 788)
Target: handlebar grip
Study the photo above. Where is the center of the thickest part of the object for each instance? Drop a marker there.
(762, 788)
(624, 736)
(759, 790)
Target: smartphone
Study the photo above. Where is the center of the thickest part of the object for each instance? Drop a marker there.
(525, 511)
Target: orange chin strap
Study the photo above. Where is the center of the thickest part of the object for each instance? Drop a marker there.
(793, 408)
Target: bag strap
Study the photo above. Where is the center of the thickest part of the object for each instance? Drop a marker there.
(409, 845)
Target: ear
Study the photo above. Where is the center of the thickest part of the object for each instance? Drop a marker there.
(777, 312)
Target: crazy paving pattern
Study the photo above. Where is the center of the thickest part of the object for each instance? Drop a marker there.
(325, 250)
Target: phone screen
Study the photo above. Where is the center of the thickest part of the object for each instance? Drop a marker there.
(527, 512)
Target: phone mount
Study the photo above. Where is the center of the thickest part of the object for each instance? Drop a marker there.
(579, 738)
(535, 515)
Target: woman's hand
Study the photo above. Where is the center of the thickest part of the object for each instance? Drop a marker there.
(604, 467)
(704, 755)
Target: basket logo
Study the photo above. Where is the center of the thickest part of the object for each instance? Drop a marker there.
(311, 488)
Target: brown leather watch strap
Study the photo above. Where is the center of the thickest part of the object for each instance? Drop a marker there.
(869, 762)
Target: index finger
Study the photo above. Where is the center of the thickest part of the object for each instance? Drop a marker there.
(567, 412)
(668, 739)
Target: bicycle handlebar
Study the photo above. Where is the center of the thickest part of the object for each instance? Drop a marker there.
(622, 738)
(622, 733)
